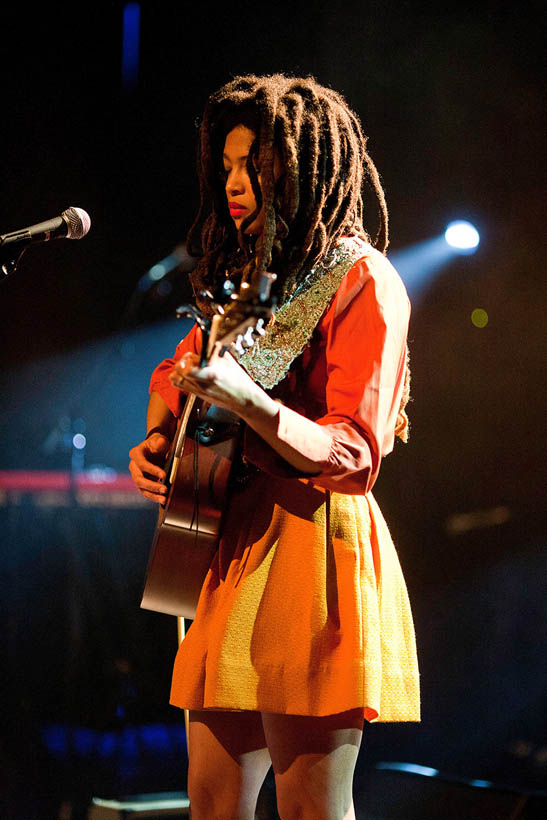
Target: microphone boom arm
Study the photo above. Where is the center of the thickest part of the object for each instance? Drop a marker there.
(12, 251)
(74, 223)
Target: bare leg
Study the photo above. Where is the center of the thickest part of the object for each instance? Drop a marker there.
(314, 761)
(228, 763)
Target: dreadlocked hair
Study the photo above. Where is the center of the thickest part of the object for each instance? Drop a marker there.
(402, 425)
(317, 199)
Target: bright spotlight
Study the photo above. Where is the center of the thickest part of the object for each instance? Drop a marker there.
(157, 272)
(79, 441)
(462, 235)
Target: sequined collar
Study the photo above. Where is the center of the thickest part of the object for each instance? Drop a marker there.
(269, 359)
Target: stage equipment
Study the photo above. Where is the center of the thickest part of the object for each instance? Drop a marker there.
(167, 804)
(462, 236)
(420, 263)
(74, 223)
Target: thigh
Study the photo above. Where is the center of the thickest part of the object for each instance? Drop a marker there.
(314, 761)
(228, 761)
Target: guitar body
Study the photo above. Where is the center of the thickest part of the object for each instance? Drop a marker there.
(189, 525)
(199, 465)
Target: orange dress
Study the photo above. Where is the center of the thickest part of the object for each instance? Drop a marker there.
(305, 609)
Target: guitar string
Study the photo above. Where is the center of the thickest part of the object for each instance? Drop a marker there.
(195, 512)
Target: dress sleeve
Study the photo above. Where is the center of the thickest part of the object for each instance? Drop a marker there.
(364, 330)
(159, 381)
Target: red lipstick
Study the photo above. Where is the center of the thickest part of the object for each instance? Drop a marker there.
(236, 209)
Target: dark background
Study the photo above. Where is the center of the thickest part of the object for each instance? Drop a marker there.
(454, 105)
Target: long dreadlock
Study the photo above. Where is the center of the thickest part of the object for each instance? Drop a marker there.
(317, 200)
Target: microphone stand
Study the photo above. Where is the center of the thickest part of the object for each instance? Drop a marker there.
(12, 251)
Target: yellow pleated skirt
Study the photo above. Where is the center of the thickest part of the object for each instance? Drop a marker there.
(304, 610)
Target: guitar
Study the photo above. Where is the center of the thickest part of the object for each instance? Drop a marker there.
(199, 465)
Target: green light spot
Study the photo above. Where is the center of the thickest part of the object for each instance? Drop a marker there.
(479, 317)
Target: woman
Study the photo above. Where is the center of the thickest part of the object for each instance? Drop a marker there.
(303, 628)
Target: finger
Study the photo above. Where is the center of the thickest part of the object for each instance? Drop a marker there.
(139, 468)
(151, 490)
(158, 499)
(140, 454)
(155, 445)
(193, 384)
(142, 467)
(189, 358)
(185, 365)
(178, 381)
(180, 377)
(154, 439)
(152, 486)
(158, 444)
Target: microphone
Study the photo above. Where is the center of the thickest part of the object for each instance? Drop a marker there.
(73, 223)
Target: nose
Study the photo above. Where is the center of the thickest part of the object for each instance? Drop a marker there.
(236, 181)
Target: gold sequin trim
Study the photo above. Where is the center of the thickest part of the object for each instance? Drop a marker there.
(269, 359)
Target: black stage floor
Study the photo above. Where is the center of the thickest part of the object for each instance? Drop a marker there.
(54, 772)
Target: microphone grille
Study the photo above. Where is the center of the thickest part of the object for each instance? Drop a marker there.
(79, 222)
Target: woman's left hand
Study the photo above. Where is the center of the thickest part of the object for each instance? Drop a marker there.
(222, 382)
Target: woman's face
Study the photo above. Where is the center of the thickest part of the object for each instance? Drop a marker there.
(239, 191)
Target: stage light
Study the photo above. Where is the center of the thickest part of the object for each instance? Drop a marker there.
(157, 272)
(412, 768)
(419, 264)
(79, 441)
(479, 317)
(462, 235)
(177, 260)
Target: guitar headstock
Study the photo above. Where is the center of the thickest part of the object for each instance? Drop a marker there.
(239, 322)
(246, 315)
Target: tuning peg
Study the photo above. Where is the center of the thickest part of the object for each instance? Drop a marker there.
(260, 330)
(248, 337)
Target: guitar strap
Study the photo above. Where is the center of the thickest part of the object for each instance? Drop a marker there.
(270, 358)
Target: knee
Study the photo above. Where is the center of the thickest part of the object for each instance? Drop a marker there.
(300, 803)
(218, 799)
(202, 800)
(207, 802)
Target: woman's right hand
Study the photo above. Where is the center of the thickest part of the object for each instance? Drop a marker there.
(144, 467)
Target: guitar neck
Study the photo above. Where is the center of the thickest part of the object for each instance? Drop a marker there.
(209, 337)
(213, 335)
(180, 436)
